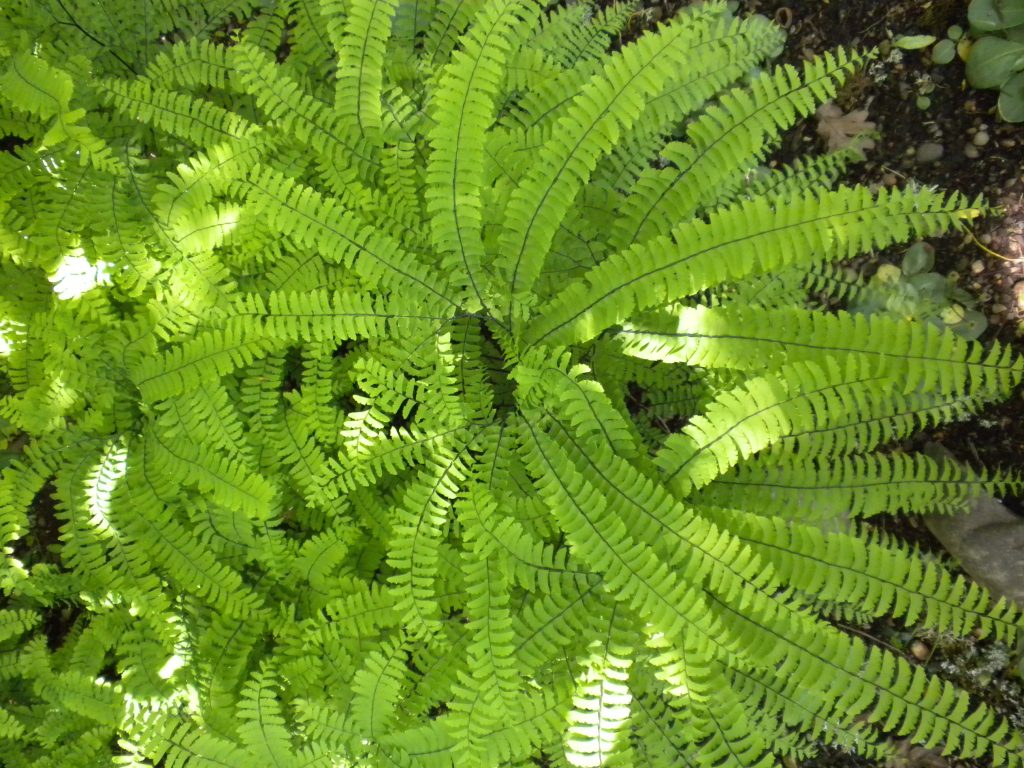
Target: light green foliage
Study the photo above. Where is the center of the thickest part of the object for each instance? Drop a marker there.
(996, 58)
(447, 384)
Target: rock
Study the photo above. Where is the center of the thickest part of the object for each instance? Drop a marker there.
(928, 152)
(920, 651)
(978, 266)
(987, 540)
(998, 309)
(1018, 294)
(972, 152)
(981, 138)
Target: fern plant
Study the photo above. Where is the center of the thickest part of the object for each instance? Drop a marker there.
(384, 385)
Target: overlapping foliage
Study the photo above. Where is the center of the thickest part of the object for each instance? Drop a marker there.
(383, 384)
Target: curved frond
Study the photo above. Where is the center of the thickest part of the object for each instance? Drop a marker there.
(749, 238)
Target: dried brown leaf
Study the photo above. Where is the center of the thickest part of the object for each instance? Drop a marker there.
(845, 129)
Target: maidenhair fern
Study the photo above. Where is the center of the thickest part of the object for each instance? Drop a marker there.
(446, 384)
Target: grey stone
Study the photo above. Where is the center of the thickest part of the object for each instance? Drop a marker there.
(928, 152)
(987, 540)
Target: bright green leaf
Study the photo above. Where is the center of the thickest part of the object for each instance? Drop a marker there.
(992, 61)
(994, 15)
(920, 257)
(913, 42)
(944, 51)
(1011, 99)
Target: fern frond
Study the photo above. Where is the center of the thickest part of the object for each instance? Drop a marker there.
(418, 527)
(360, 61)
(377, 687)
(749, 238)
(34, 85)
(262, 728)
(727, 337)
(724, 141)
(597, 733)
(581, 32)
(464, 109)
(340, 236)
(607, 107)
(301, 116)
(185, 117)
(192, 64)
(861, 486)
(742, 421)
(882, 577)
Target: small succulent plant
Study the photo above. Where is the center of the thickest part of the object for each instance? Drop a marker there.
(913, 292)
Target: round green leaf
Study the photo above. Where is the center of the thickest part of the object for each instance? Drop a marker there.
(992, 61)
(972, 326)
(920, 257)
(1011, 99)
(955, 32)
(932, 286)
(944, 51)
(960, 295)
(913, 42)
(904, 300)
(993, 15)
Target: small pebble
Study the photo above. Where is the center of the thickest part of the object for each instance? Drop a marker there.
(998, 309)
(890, 180)
(985, 238)
(977, 267)
(920, 650)
(929, 152)
(972, 152)
(981, 138)
(1018, 294)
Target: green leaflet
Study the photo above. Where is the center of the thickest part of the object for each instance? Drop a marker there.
(390, 383)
